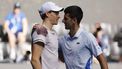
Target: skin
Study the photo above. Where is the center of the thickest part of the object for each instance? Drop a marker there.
(37, 48)
(72, 25)
(35, 59)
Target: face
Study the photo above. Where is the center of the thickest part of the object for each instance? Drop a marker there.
(17, 10)
(67, 21)
(54, 17)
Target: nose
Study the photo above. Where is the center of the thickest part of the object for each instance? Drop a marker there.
(58, 16)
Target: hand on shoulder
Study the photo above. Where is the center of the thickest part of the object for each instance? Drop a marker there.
(40, 29)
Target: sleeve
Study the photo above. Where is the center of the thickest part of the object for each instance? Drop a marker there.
(39, 34)
(8, 17)
(38, 38)
(93, 45)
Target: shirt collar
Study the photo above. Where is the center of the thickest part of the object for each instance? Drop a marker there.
(76, 35)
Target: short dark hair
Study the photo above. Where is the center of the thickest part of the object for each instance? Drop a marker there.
(74, 12)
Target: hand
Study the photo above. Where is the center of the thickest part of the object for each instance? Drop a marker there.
(40, 29)
(14, 29)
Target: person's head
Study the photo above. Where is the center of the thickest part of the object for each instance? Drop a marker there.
(17, 8)
(72, 16)
(50, 11)
(98, 26)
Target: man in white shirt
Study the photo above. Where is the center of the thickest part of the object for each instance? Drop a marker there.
(44, 38)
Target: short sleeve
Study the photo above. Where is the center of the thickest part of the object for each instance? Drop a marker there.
(9, 16)
(38, 38)
(93, 45)
(39, 34)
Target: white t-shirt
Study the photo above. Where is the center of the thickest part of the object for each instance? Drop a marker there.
(50, 51)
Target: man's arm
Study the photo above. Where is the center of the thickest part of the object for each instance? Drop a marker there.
(37, 49)
(102, 61)
(6, 24)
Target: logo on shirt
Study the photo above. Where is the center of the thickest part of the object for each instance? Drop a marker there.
(78, 43)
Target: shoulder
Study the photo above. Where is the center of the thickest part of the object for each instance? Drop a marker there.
(9, 15)
(90, 36)
(86, 34)
(91, 39)
(39, 29)
(22, 14)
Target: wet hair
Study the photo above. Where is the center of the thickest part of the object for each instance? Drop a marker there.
(74, 12)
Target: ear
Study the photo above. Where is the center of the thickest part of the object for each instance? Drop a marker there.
(47, 14)
(74, 20)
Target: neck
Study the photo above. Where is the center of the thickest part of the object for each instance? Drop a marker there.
(47, 24)
(73, 30)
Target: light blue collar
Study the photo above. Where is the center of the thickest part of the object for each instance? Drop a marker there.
(76, 35)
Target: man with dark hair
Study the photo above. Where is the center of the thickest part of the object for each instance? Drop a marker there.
(45, 39)
(78, 46)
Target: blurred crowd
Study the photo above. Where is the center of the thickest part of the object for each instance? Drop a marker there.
(111, 46)
(15, 42)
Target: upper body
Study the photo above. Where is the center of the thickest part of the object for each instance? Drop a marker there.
(79, 49)
(49, 55)
(16, 21)
(79, 46)
(44, 38)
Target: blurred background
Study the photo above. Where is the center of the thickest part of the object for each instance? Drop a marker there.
(105, 13)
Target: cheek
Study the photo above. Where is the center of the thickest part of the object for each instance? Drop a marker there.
(55, 17)
(68, 22)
